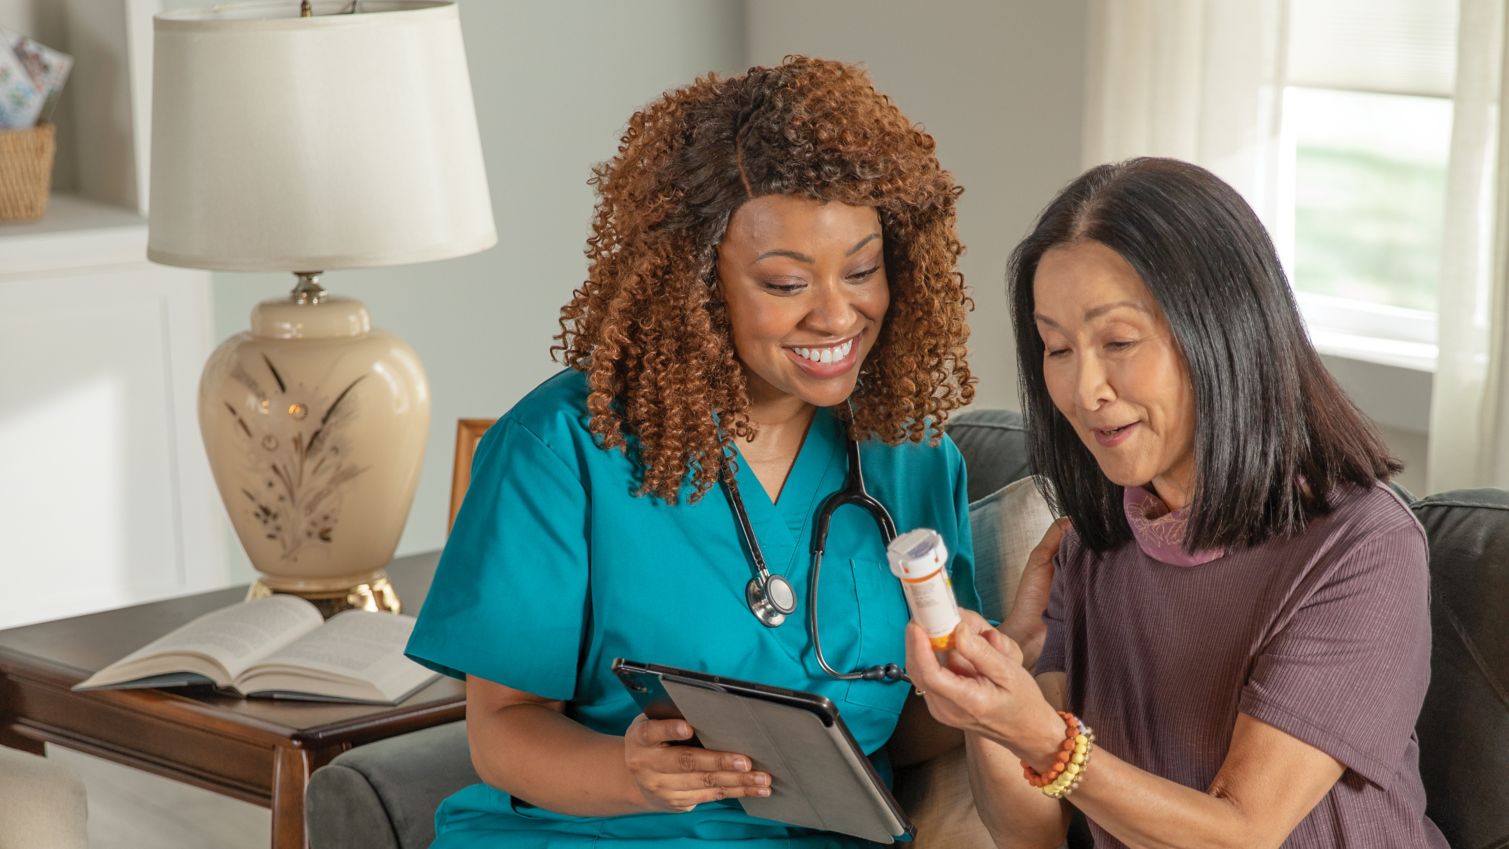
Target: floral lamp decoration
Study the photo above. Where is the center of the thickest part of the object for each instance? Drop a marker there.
(302, 478)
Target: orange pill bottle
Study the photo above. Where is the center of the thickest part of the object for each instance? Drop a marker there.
(918, 558)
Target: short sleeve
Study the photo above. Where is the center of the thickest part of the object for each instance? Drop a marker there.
(1052, 656)
(1347, 671)
(509, 599)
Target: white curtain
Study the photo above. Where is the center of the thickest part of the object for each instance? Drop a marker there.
(1201, 80)
(1469, 416)
(1192, 79)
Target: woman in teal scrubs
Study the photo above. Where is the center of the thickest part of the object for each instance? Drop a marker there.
(773, 272)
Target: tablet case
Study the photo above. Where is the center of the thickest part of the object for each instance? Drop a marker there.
(819, 777)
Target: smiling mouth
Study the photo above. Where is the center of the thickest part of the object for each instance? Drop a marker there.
(825, 354)
(1110, 437)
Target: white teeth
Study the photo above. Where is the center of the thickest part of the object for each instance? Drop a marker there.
(828, 355)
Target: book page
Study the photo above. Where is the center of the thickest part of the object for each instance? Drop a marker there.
(353, 644)
(233, 638)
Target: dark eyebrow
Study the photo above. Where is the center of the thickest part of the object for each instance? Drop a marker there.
(862, 242)
(1097, 312)
(1094, 312)
(801, 257)
(781, 252)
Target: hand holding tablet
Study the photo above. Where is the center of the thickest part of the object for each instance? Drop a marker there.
(819, 776)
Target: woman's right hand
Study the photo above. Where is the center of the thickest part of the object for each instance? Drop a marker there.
(679, 778)
(984, 688)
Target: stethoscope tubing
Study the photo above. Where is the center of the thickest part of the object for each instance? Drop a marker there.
(765, 593)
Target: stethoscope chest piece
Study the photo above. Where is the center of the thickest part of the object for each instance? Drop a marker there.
(770, 598)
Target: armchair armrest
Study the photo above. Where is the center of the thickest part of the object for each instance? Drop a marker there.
(383, 795)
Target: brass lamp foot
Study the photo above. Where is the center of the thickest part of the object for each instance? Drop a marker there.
(376, 595)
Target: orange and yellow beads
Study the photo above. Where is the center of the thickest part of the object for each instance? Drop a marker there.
(1070, 763)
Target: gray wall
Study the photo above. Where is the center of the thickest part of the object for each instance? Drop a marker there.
(1001, 88)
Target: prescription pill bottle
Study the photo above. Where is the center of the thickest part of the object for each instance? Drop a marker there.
(918, 558)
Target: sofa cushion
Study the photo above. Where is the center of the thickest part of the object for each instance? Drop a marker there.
(994, 445)
(936, 795)
(1466, 713)
(1006, 526)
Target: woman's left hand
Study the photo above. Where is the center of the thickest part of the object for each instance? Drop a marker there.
(984, 689)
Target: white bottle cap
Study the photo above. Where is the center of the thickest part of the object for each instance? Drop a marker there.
(917, 553)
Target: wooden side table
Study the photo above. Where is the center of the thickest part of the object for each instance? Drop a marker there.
(257, 750)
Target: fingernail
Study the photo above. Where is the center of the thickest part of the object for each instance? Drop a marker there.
(684, 730)
(762, 791)
(741, 765)
(762, 779)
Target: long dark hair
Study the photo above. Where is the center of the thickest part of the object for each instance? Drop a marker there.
(1274, 434)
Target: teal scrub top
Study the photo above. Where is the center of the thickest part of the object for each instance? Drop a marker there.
(554, 568)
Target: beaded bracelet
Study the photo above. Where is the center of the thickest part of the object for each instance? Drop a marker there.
(1070, 763)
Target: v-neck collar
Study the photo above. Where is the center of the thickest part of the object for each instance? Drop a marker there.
(779, 525)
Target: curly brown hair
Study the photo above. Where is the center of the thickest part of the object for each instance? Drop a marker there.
(649, 327)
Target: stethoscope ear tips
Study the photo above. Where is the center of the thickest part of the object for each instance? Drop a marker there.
(770, 598)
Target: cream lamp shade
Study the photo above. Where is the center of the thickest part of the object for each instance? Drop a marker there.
(343, 137)
(282, 143)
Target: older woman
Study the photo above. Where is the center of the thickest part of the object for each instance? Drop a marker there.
(772, 298)
(1240, 610)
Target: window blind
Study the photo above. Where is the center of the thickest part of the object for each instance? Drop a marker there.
(1390, 46)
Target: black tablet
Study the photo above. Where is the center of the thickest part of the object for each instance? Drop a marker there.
(820, 778)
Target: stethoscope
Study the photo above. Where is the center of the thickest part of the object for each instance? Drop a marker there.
(771, 598)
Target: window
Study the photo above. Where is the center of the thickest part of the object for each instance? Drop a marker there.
(1364, 145)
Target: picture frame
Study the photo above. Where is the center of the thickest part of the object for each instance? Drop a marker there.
(468, 434)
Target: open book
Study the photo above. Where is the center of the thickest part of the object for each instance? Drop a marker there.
(278, 647)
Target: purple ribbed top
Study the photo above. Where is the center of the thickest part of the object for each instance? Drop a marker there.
(1325, 636)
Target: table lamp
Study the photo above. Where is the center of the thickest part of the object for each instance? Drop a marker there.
(303, 140)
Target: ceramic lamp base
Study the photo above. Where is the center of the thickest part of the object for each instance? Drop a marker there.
(375, 594)
(314, 424)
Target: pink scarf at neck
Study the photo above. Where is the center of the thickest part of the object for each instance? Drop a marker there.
(1160, 532)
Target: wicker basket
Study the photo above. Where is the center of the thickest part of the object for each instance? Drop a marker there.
(25, 172)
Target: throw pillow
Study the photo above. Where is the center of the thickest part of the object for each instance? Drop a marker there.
(1006, 525)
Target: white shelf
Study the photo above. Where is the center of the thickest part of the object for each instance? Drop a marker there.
(75, 233)
(95, 216)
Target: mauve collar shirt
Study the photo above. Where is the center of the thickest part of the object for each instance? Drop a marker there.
(1325, 636)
